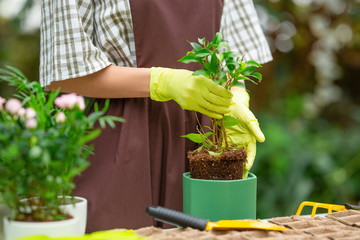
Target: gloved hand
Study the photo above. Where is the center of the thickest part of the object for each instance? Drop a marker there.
(196, 93)
(247, 132)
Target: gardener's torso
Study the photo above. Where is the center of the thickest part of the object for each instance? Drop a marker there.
(140, 162)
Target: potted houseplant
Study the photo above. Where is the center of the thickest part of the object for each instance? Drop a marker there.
(219, 185)
(43, 145)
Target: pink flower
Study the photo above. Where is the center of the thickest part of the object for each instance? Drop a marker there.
(68, 101)
(2, 101)
(81, 103)
(31, 123)
(21, 112)
(60, 117)
(30, 113)
(13, 105)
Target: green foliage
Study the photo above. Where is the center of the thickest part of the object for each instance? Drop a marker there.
(228, 69)
(305, 159)
(312, 149)
(38, 162)
(223, 66)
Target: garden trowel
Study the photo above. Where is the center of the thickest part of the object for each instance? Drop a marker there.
(184, 220)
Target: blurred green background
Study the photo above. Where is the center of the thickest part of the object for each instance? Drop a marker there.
(308, 104)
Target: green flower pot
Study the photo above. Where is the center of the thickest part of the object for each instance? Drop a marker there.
(220, 199)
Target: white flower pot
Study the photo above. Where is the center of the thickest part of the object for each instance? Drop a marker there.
(71, 227)
(17, 229)
(79, 210)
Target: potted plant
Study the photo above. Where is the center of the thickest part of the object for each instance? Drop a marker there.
(43, 145)
(219, 185)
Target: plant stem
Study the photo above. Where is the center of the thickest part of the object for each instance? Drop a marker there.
(220, 136)
(224, 134)
(215, 132)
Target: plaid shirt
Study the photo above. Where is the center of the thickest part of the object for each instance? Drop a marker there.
(79, 37)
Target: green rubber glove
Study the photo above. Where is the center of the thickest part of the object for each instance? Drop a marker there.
(196, 93)
(248, 131)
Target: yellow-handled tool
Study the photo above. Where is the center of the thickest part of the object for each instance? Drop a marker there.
(184, 220)
(329, 207)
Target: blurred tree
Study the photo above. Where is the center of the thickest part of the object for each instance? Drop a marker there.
(19, 47)
(308, 105)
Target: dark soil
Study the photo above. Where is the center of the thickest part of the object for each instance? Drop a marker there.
(228, 166)
(24, 217)
(43, 214)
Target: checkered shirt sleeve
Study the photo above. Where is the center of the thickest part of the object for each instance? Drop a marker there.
(80, 37)
(240, 26)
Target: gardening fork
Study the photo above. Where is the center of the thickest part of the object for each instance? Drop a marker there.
(329, 207)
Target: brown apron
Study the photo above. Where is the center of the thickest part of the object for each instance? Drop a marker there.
(140, 162)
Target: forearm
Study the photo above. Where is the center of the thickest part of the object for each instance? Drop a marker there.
(110, 82)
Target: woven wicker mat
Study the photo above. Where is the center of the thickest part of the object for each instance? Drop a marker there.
(344, 225)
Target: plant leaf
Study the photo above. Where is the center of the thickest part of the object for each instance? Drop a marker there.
(190, 59)
(207, 134)
(248, 70)
(230, 121)
(242, 66)
(199, 148)
(253, 63)
(90, 136)
(237, 84)
(220, 58)
(202, 72)
(232, 62)
(206, 145)
(224, 46)
(202, 41)
(195, 137)
(213, 63)
(228, 55)
(215, 154)
(195, 46)
(202, 53)
(217, 39)
(257, 75)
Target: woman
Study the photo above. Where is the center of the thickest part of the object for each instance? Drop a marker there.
(128, 51)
